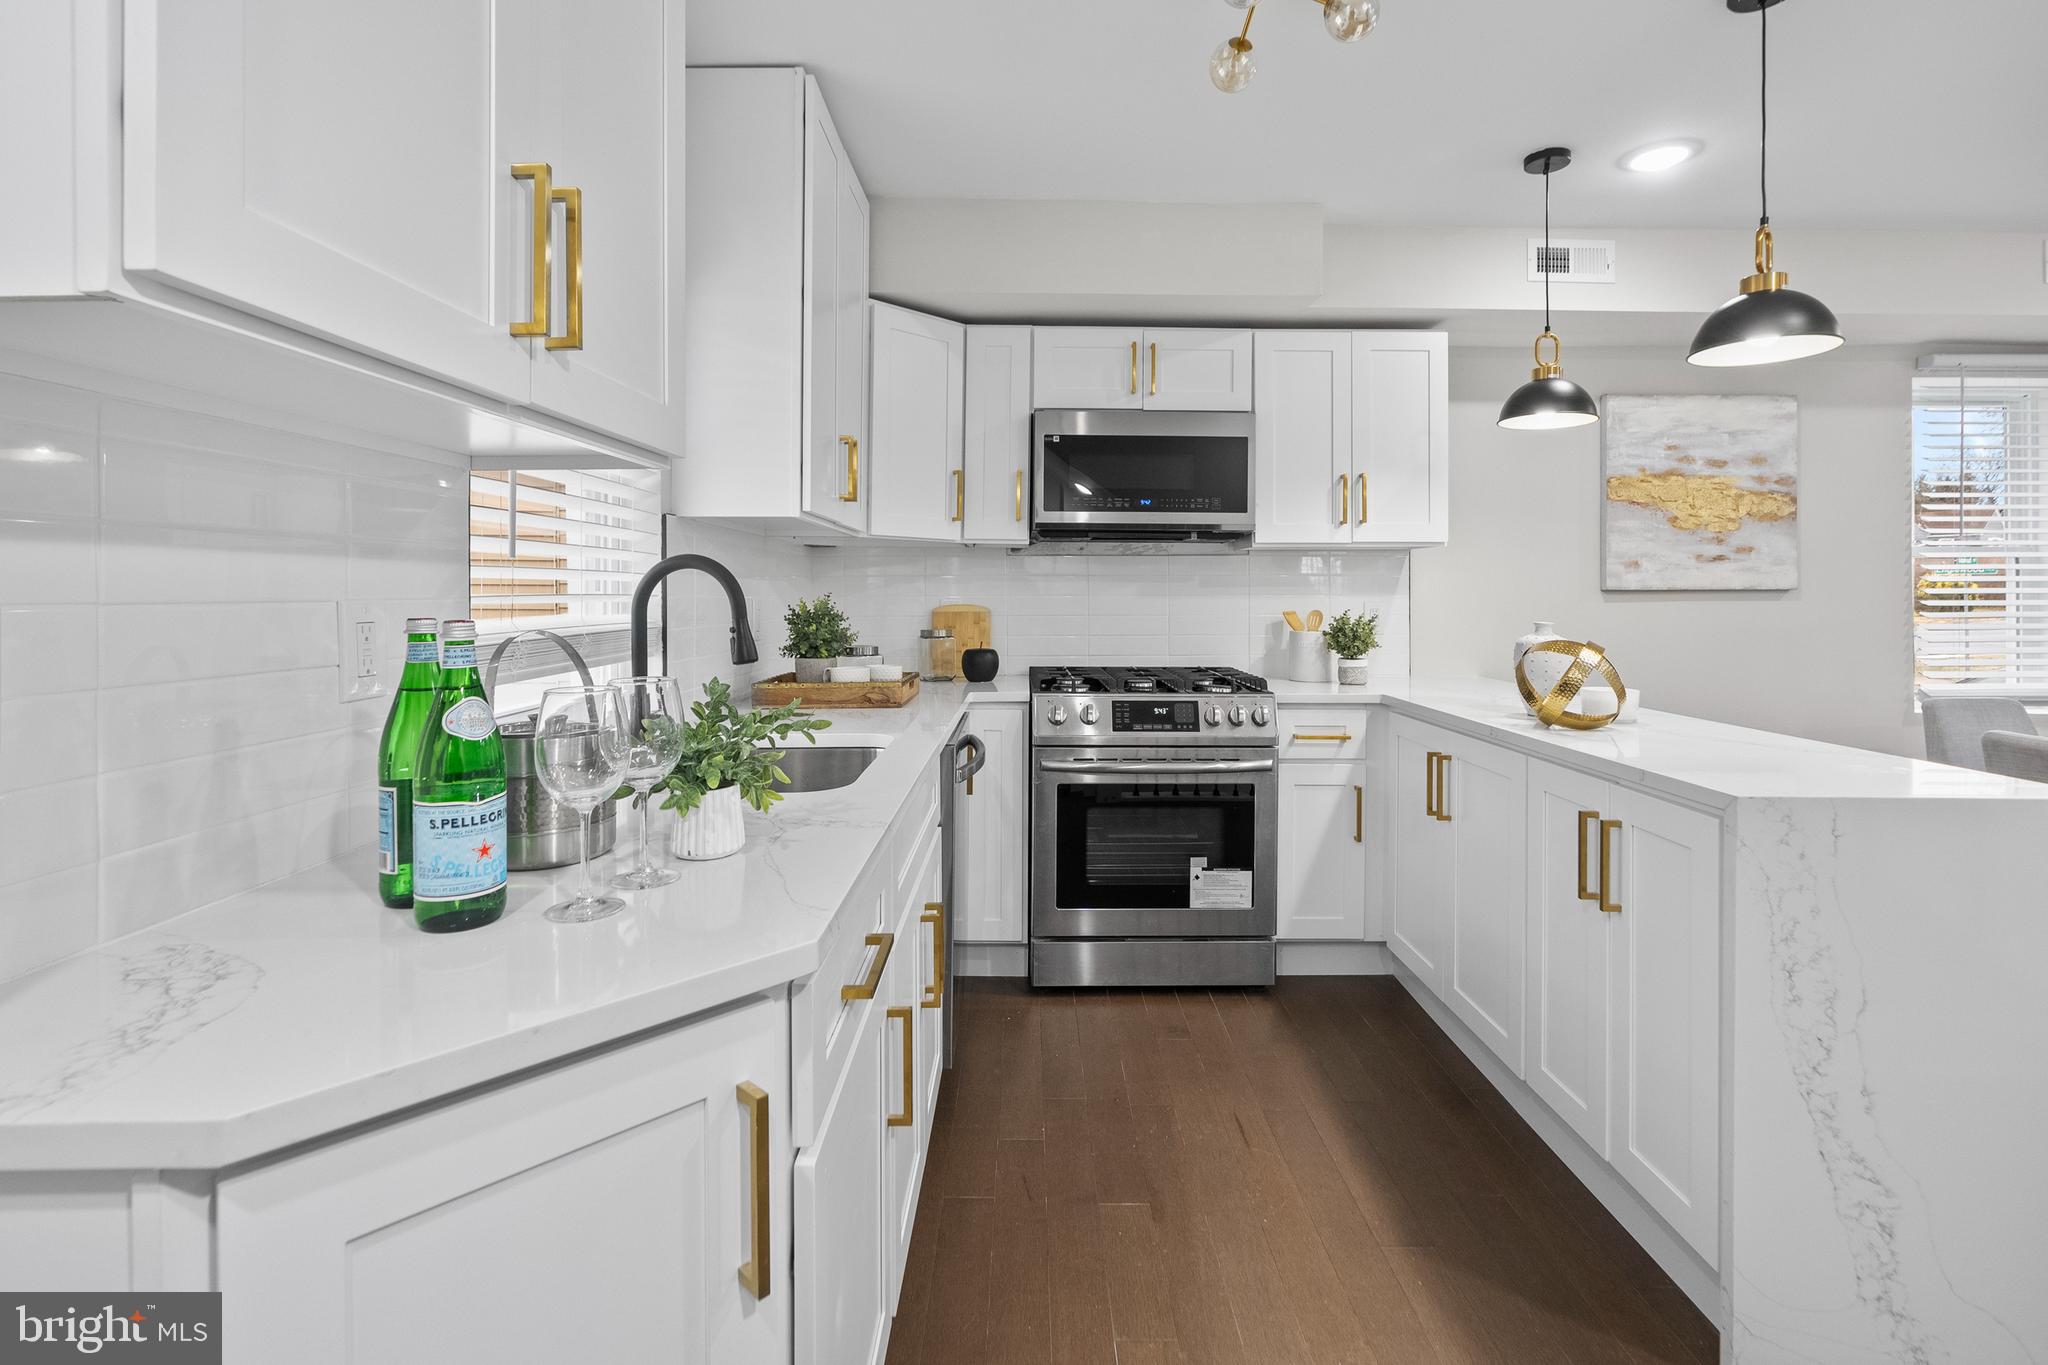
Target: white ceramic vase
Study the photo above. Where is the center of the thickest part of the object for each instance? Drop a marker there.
(1308, 658)
(813, 670)
(715, 829)
(1351, 673)
(1542, 631)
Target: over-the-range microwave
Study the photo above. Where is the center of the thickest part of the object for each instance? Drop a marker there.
(1116, 475)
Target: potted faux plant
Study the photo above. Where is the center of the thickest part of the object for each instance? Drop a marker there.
(818, 634)
(1351, 638)
(728, 757)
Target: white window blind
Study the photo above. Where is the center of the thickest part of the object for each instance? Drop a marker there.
(560, 550)
(1980, 533)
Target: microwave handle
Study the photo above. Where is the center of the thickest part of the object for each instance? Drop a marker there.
(1191, 767)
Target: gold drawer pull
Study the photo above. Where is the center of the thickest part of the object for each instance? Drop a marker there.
(1302, 736)
(1358, 815)
(571, 201)
(852, 493)
(959, 495)
(541, 174)
(1020, 495)
(902, 1120)
(1586, 817)
(1443, 788)
(1429, 782)
(1607, 831)
(1134, 367)
(1343, 499)
(754, 1274)
(1361, 497)
(935, 915)
(1155, 369)
(866, 989)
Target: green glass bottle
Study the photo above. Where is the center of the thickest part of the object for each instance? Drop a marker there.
(458, 798)
(397, 751)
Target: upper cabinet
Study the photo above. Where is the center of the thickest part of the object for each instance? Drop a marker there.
(998, 435)
(1353, 440)
(775, 349)
(504, 215)
(917, 487)
(1131, 367)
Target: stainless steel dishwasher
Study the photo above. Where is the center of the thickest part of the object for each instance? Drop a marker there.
(959, 761)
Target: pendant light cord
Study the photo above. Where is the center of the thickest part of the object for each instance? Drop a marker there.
(1547, 262)
(1763, 159)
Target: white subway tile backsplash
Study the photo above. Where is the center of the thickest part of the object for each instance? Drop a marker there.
(47, 471)
(175, 643)
(48, 918)
(48, 561)
(160, 484)
(141, 806)
(164, 564)
(146, 886)
(50, 738)
(46, 829)
(48, 649)
(160, 722)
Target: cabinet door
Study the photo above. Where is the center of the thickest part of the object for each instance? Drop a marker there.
(933, 1002)
(1302, 426)
(434, 1237)
(902, 1135)
(1322, 851)
(1086, 367)
(1482, 789)
(1419, 889)
(917, 483)
(1666, 1003)
(1401, 398)
(841, 1277)
(997, 825)
(998, 434)
(344, 169)
(614, 86)
(1569, 941)
(1198, 371)
(835, 293)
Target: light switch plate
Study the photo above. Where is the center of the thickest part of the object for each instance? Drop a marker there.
(360, 649)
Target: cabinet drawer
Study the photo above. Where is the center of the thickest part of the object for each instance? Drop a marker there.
(918, 823)
(1323, 732)
(824, 1021)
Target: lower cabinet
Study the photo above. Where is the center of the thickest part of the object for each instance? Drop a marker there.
(996, 805)
(1418, 854)
(841, 1277)
(434, 1237)
(1322, 851)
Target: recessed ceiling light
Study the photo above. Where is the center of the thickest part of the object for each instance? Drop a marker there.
(1660, 156)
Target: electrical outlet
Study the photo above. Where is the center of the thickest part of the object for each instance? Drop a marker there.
(358, 651)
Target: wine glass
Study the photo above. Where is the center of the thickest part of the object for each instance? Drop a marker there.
(654, 730)
(579, 750)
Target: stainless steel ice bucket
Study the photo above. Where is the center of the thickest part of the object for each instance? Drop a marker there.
(540, 831)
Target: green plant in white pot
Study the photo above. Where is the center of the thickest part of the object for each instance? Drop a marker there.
(1351, 638)
(818, 634)
(729, 756)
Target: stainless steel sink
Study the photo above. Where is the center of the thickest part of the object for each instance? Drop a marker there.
(825, 767)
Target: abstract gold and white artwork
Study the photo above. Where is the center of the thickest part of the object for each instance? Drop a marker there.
(1700, 492)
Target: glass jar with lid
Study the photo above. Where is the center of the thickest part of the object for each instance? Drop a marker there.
(941, 654)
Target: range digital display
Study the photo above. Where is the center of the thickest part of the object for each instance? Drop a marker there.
(1155, 715)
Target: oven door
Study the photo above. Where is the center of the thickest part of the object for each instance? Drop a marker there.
(1139, 469)
(1114, 833)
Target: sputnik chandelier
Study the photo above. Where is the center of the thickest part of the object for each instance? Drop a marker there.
(1231, 67)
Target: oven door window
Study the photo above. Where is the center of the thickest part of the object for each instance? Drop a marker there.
(1137, 474)
(1127, 846)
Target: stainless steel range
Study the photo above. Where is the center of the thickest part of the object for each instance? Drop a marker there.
(1153, 839)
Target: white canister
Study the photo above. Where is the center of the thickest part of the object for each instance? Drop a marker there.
(857, 673)
(1542, 631)
(1308, 658)
(884, 673)
(716, 828)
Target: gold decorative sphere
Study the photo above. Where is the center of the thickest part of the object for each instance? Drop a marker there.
(1553, 707)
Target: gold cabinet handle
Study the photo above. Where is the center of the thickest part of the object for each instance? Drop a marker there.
(1357, 815)
(935, 915)
(866, 989)
(1155, 369)
(1607, 830)
(902, 1120)
(1361, 497)
(1586, 817)
(959, 495)
(1443, 788)
(1343, 499)
(852, 493)
(1303, 737)
(754, 1273)
(1429, 783)
(571, 200)
(1134, 367)
(1020, 495)
(542, 176)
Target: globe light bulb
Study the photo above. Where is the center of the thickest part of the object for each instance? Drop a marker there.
(1230, 66)
(1349, 20)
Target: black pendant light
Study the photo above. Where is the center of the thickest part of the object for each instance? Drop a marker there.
(1548, 401)
(1766, 322)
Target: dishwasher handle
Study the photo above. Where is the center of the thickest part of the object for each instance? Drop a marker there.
(970, 762)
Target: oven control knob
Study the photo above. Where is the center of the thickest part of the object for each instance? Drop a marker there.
(1236, 714)
(1058, 714)
(1215, 714)
(1260, 715)
(1089, 714)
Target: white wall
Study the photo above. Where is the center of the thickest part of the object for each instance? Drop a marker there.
(1831, 659)
(170, 588)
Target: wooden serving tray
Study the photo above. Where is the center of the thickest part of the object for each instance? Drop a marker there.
(783, 689)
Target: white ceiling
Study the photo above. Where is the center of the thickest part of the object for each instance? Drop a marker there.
(1885, 113)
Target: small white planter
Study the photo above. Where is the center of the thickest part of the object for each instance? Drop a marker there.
(715, 829)
(1351, 673)
(813, 670)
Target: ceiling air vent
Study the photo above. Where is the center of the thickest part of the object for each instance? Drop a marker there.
(1569, 262)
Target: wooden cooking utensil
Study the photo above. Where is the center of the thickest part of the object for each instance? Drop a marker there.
(1293, 620)
(1315, 620)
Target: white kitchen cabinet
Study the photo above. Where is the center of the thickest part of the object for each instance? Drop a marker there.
(917, 479)
(1086, 367)
(1570, 947)
(998, 435)
(434, 1236)
(1190, 370)
(775, 337)
(1419, 853)
(997, 809)
(841, 1273)
(1481, 789)
(1302, 433)
(1322, 851)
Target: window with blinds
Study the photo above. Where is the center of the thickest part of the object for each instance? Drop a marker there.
(1980, 533)
(560, 550)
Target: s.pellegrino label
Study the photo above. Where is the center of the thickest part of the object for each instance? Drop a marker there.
(458, 798)
(397, 752)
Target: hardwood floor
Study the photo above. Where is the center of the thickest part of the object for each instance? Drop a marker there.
(1311, 1174)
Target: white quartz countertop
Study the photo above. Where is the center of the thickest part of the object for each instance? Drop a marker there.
(304, 1006)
